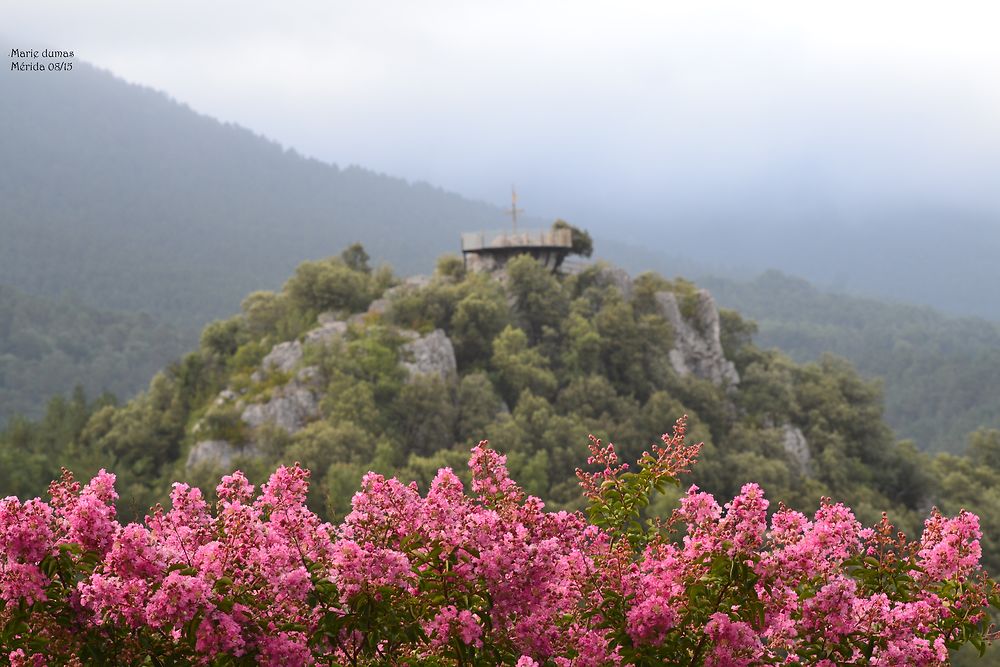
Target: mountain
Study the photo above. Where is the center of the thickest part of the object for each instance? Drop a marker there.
(940, 374)
(349, 369)
(48, 347)
(913, 251)
(124, 199)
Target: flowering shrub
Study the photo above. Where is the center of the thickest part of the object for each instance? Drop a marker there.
(481, 578)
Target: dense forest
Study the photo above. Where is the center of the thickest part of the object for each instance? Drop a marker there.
(47, 347)
(144, 219)
(941, 375)
(541, 362)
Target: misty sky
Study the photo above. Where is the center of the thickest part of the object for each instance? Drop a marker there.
(598, 111)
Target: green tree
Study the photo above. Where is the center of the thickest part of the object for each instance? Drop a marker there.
(583, 244)
(224, 337)
(539, 300)
(519, 367)
(478, 318)
(263, 312)
(329, 284)
(582, 347)
(984, 448)
(425, 415)
(451, 267)
(356, 258)
(478, 405)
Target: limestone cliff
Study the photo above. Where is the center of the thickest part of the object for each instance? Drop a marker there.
(290, 406)
(697, 345)
(285, 392)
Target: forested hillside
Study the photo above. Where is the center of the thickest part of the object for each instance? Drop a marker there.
(349, 369)
(136, 203)
(127, 200)
(539, 362)
(47, 347)
(941, 375)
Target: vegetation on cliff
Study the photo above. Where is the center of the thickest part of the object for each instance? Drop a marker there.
(542, 360)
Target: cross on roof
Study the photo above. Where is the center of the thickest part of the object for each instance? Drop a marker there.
(514, 210)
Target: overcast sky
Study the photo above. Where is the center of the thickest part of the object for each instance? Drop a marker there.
(592, 108)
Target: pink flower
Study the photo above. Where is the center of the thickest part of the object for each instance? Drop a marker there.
(18, 658)
(235, 488)
(288, 649)
(177, 600)
(91, 516)
(489, 475)
(734, 643)
(115, 599)
(949, 548)
(22, 581)
(450, 622)
(417, 579)
(219, 634)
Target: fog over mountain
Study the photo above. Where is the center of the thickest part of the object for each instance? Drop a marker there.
(856, 145)
(135, 202)
(801, 205)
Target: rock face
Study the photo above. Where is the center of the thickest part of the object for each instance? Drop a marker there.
(326, 318)
(225, 396)
(378, 307)
(697, 346)
(410, 284)
(617, 277)
(796, 446)
(432, 354)
(291, 407)
(217, 452)
(328, 329)
(283, 357)
(697, 350)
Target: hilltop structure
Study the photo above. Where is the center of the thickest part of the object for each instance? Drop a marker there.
(490, 251)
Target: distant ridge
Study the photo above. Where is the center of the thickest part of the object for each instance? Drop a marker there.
(50, 346)
(125, 199)
(941, 374)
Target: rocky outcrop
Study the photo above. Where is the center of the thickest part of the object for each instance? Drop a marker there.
(797, 448)
(329, 328)
(378, 307)
(614, 276)
(283, 357)
(411, 283)
(697, 346)
(290, 407)
(326, 318)
(219, 453)
(432, 354)
(225, 396)
(418, 281)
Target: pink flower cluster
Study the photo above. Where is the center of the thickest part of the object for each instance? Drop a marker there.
(483, 578)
